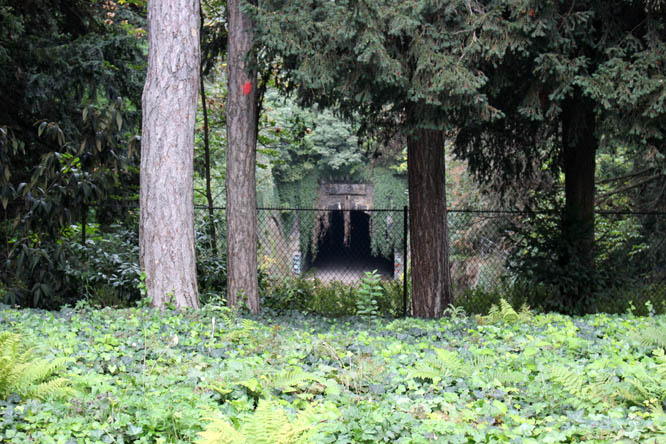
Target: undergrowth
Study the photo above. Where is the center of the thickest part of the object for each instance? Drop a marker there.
(212, 376)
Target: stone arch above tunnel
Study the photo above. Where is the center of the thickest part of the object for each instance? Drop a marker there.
(345, 195)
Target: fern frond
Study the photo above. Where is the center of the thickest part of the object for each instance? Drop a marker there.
(510, 377)
(494, 314)
(425, 370)
(52, 387)
(525, 314)
(25, 375)
(219, 431)
(652, 336)
(571, 382)
(509, 315)
(586, 392)
(504, 312)
(42, 369)
(268, 424)
(289, 380)
(444, 364)
(448, 359)
(477, 363)
(644, 383)
(248, 325)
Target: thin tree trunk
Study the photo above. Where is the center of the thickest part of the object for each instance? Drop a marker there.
(207, 166)
(431, 276)
(241, 158)
(167, 153)
(579, 150)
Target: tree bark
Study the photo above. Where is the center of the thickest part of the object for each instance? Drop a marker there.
(241, 157)
(431, 276)
(166, 226)
(579, 144)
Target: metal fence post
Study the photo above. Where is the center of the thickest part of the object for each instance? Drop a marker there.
(84, 221)
(405, 215)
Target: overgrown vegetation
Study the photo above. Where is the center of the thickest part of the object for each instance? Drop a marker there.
(142, 376)
(334, 299)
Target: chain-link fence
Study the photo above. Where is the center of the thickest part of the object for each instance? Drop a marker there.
(332, 244)
(487, 248)
(479, 248)
(491, 248)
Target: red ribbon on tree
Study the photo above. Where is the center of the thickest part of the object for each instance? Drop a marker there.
(247, 88)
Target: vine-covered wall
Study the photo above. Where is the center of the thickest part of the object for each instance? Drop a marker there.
(301, 194)
(390, 192)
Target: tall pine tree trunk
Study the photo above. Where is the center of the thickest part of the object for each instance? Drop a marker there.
(167, 153)
(579, 151)
(241, 156)
(431, 276)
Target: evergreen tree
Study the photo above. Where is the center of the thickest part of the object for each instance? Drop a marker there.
(404, 64)
(576, 78)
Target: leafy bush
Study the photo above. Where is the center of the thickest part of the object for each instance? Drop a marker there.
(34, 276)
(212, 278)
(641, 300)
(211, 267)
(107, 267)
(480, 300)
(626, 265)
(105, 271)
(644, 382)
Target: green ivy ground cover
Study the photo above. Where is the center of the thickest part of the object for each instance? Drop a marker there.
(141, 376)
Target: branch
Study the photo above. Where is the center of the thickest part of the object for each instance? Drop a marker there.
(629, 187)
(627, 176)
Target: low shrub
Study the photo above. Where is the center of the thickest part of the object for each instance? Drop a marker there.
(639, 300)
(481, 300)
(107, 267)
(642, 301)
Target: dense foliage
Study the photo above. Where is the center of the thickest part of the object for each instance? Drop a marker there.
(576, 81)
(71, 75)
(138, 375)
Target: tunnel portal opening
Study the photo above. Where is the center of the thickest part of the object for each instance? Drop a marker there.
(337, 260)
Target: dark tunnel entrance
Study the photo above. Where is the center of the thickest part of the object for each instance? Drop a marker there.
(337, 261)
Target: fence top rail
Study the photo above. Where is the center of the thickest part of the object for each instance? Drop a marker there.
(461, 210)
(135, 204)
(332, 209)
